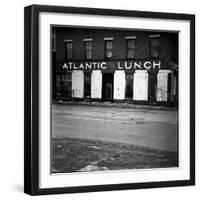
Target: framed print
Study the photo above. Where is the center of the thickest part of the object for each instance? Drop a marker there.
(109, 99)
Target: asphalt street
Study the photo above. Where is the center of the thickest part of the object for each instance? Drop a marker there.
(146, 127)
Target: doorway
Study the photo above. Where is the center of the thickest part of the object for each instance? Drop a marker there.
(107, 89)
(152, 87)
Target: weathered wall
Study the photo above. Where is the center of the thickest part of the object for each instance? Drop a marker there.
(162, 84)
(168, 52)
(140, 85)
(96, 84)
(119, 85)
(77, 83)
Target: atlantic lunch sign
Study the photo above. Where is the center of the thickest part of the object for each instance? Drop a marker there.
(117, 65)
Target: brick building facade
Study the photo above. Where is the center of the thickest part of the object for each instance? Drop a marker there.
(115, 65)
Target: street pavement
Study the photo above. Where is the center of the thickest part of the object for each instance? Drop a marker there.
(146, 127)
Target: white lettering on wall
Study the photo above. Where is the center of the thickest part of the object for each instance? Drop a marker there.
(119, 65)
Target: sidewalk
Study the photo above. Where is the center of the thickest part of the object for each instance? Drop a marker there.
(115, 105)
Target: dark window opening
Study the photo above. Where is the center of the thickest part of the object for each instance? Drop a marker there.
(68, 50)
(65, 86)
(154, 47)
(130, 48)
(88, 49)
(108, 48)
(107, 87)
(129, 86)
(169, 88)
(87, 85)
(152, 85)
(58, 84)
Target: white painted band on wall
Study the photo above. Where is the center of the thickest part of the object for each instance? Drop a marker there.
(162, 85)
(77, 83)
(88, 39)
(68, 40)
(130, 37)
(96, 84)
(140, 85)
(108, 38)
(119, 85)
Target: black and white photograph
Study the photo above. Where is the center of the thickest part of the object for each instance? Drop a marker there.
(109, 99)
(114, 99)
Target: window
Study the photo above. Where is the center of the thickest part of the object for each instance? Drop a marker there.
(108, 47)
(58, 86)
(154, 46)
(88, 49)
(129, 86)
(87, 85)
(68, 49)
(66, 84)
(130, 48)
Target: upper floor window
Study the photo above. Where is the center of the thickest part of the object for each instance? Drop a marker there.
(108, 47)
(68, 49)
(88, 48)
(131, 46)
(154, 45)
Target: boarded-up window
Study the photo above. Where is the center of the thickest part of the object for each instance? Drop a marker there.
(66, 84)
(129, 86)
(88, 49)
(130, 48)
(108, 48)
(154, 47)
(87, 85)
(68, 49)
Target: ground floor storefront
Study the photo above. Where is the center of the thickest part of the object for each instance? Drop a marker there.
(140, 86)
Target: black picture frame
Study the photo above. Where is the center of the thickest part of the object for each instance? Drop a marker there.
(31, 98)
